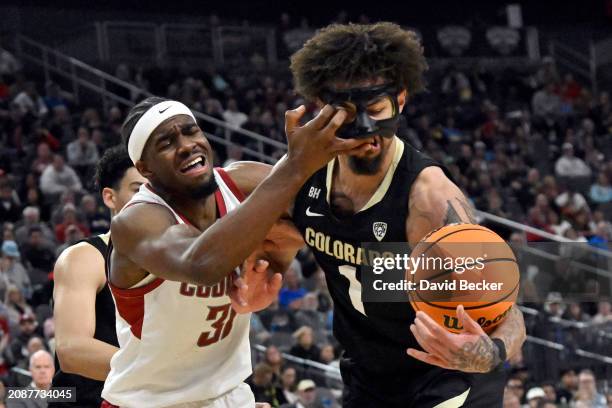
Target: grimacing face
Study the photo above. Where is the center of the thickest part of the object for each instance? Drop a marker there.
(178, 158)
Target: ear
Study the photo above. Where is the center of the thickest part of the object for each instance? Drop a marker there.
(401, 99)
(142, 169)
(108, 196)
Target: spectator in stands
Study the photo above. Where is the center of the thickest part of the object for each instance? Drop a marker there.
(308, 314)
(28, 328)
(94, 218)
(328, 355)
(511, 400)
(12, 270)
(568, 165)
(69, 219)
(31, 219)
(305, 347)
(587, 391)
(277, 319)
(601, 191)
(9, 65)
(604, 313)
(550, 391)
(546, 104)
(263, 387)
(44, 157)
(289, 384)
(34, 344)
(10, 209)
(292, 292)
(233, 116)
(306, 396)
(30, 102)
(547, 73)
(516, 387)
(274, 359)
(67, 197)
(535, 396)
(16, 305)
(82, 153)
(42, 369)
(571, 202)
(55, 97)
(574, 313)
(38, 254)
(58, 178)
(234, 154)
(73, 235)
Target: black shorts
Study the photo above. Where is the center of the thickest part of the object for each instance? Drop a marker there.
(363, 389)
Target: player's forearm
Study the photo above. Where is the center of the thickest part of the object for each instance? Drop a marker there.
(87, 357)
(512, 331)
(230, 240)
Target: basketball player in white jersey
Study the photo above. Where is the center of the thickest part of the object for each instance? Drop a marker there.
(175, 246)
(83, 306)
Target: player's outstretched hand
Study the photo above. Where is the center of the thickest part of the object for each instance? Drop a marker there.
(262, 405)
(256, 288)
(315, 144)
(471, 351)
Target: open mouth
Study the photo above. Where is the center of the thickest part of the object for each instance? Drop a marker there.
(193, 167)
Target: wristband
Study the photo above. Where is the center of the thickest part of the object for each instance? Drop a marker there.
(501, 347)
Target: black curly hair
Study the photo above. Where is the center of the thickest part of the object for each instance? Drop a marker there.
(112, 167)
(357, 52)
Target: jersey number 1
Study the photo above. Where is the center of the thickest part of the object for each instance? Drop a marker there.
(354, 291)
(223, 317)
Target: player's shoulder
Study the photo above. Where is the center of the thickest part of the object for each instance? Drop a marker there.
(247, 175)
(76, 259)
(135, 220)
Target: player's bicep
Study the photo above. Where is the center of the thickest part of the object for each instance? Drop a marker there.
(151, 239)
(435, 201)
(78, 275)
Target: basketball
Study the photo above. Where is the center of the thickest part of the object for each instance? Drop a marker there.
(464, 264)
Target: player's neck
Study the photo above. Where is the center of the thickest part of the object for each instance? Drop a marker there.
(361, 185)
(201, 212)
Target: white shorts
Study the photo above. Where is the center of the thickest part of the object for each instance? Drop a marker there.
(239, 397)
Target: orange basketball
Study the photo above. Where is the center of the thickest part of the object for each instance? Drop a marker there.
(464, 264)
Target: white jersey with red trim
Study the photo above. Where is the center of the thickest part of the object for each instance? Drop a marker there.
(179, 342)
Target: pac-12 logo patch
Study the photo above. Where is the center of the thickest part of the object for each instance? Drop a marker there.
(379, 229)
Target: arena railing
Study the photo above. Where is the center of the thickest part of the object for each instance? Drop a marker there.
(83, 76)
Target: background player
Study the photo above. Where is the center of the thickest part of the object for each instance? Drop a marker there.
(173, 249)
(83, 305)
(388, 191)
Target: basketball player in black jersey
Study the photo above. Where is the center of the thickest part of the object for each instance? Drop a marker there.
(389, 192)
(84, 310)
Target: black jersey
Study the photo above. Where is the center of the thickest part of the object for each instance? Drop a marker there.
(87, 390)
(375, 335)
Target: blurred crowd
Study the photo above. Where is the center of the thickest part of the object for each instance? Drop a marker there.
(530, 144)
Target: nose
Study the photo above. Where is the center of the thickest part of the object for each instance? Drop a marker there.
(185, 143)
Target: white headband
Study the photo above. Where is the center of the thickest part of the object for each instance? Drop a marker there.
(150, 121)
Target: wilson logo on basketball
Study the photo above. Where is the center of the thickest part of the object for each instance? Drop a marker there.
(452, 322)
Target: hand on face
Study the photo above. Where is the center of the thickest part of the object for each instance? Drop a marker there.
(315, 144)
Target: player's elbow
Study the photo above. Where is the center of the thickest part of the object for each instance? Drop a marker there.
(66, 355)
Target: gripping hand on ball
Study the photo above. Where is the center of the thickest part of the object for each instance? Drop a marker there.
(471, 351)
